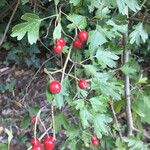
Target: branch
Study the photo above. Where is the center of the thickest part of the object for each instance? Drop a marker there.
(10, 20)
(127, 86)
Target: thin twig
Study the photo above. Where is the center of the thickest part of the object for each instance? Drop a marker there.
(115, 117)
(66, 62)
(10, 20)
(41, 137)
(53, 122)
(50, 23)
(27, 88)
(144, 133)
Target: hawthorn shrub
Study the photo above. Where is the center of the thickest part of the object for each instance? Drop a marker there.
(94, 42)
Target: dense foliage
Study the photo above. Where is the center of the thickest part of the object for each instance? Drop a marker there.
(91, 73)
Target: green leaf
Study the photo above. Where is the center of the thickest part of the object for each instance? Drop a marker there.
(96, 39)
(91, 70)
(85, 116)
(77, 21)
(49, 96)
(101, 124)
(135, 144)
(123, 4)
(59, 100)
(79, 103)
(61, 121)
(33, 110)
(102, 13)
(138, 34)
(117, 29)
(75, 2)
(66, 87)
(57, 31)
(128, 69)
(108, 88)
(25, 122)
(3, 146)
(98, 104)
(31, 27)
(142, 79)
(106, 58)
(72, 132)
(141, 106)
(10, 135)
(24, 2)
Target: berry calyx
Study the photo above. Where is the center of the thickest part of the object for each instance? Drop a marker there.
(57, 48)
(83, 84)
(61, 42)
(77, 43)
(55, 87)
(37, 147)
(49, 143)
(83, 36)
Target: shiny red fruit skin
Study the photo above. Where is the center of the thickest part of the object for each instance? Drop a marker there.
(57, 48)
(61, 42)
(93, 138)
(37, 147)
(49, 143)
(95, 143)
(83, 36)
(55, 87)
(77, 43)
(35, 141)
(83, 84)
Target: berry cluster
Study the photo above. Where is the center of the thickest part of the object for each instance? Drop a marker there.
(95, 141)
(49, 144)
(55, 86)
(58, 47)
(82, 37)
(78, 42)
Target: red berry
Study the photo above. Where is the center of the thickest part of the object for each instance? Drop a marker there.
(93, 138)
(49, 143)
(77, 43)
(83, 84)
(57, 48)
(96, 143)
(61, 42)
(55, 87)
(33, 119)
(35, 141)
(83, 36)
(37, 147)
